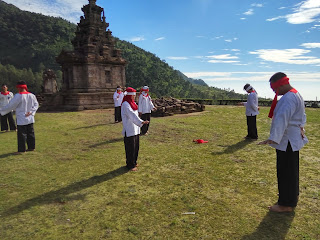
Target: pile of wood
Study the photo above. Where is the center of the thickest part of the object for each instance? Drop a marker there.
(170, 106)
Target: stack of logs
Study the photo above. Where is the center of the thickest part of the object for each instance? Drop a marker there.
(170, 106)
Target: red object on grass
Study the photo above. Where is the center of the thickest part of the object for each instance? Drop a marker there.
(200, 141)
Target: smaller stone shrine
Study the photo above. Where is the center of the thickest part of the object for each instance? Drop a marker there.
(92, 70)
(49, 82)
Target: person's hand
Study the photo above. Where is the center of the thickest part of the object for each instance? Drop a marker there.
(140, 114)
(154, 109)
(258, 108)
(268, 141)
(145, 122)
(28, 114)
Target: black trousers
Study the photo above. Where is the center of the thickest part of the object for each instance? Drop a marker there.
(26, 135)
(252, 127)
(4, 122)
(145, 127)
(288, 176)
(131, 145)
(117, 114)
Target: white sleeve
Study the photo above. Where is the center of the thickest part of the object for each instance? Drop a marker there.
(12, 105)
(280, 120)
(140, 104)
(35, 105)
(132, 116)
(151, 104)
(253, 101)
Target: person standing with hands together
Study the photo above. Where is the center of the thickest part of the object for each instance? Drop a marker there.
(287, 137)
(5, 98)
(145, 107)
(131, 128)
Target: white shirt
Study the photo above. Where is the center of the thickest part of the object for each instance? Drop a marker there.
(145, 103)
(5, 99)
(289, 115)
(252, 104)
(117, 98)
(22, 103)
(130, 120)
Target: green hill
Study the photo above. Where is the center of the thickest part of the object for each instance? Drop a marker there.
(29, 43)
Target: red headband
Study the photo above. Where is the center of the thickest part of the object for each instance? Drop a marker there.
(275, 86)
(23, 86)
(279, 83)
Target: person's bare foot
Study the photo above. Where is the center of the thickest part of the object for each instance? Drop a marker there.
(134, 169)
(280, 208)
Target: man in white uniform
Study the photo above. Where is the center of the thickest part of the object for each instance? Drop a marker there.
(117, 98)
(131, 128)
(25, 104)
(5, 98)
(252, 110)
(287, 137)
(145, 107)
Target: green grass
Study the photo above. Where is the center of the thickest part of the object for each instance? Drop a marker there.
(75, 186)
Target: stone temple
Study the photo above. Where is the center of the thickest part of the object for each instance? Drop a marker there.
(93, 70)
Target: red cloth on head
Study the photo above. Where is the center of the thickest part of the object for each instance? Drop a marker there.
(23, 86)
(129, 99)
(274, 86)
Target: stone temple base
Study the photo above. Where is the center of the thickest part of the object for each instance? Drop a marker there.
(76, 101)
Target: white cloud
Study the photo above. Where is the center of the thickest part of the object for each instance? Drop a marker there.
(305, 12)
(222, 61)
(177, 58)
(160, 38)
(311, 45)
(242, 18)
(222, 56)
(137, 39)
(257, 5)
(249, 12)
(67, 9)
(289, 56)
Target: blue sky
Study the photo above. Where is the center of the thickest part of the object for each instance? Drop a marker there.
(227, 43)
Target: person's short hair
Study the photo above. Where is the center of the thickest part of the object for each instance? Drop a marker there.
(21, 83)
(3, 85)
(118, 87)
(246, 86)
(277, 76)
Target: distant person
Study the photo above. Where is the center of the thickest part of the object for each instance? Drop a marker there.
(287, 137)
(25, 104)
(5, 98)
(117, 98)
(145, 107)
(252, 110)
(131, 128)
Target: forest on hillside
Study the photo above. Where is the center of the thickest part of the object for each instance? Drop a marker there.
(30, 42)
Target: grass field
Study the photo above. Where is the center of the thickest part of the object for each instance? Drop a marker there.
(75, 186)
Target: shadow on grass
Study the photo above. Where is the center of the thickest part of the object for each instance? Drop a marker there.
(106, 142)
(92, 126)
(8, 154)
(233, 148)
(273, 226)
(61, 195)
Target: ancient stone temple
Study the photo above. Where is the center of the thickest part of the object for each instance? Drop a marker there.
(93, 69)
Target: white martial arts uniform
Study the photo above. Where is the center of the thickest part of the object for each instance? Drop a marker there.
(145, 103)
(289, 116)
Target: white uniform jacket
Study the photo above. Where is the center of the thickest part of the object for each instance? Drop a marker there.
(252, 104)
(130, 120)
(145, 104)
(22, 103)
(289, 115)
(5, 99)
(117, 98)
